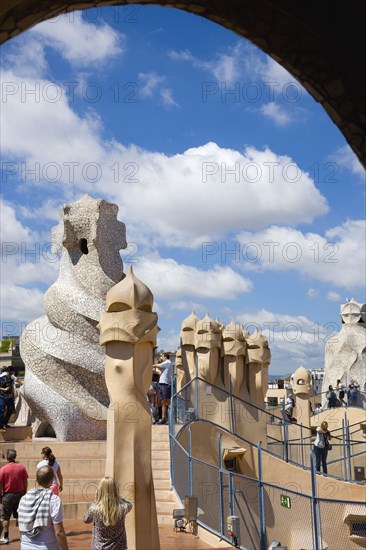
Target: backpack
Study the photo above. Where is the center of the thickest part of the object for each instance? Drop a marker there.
(6, 382)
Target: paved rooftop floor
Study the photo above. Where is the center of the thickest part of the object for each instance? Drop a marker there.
(79, 538)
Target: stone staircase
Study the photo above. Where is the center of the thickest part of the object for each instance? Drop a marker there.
(82, 464)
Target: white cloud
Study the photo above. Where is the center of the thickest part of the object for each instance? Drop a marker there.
(26, 58)
(149, 82)
(338, 258)
(26, 260)
(189, 305)
(275, 112)
(21, 305)
(333, 296)
(168, 341)
(204, 191)
(345, 158)
(312, 293)
(167, 98)
(225, 67)
(12, 231)
(168, 280)
(70, 153)
(65, 137)
(80, 42)
(244, 63)
(293, 339)
(273, 73)
(249, 73)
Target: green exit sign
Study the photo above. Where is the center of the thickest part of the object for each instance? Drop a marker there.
(285, 501)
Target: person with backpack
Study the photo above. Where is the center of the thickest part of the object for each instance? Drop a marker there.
(7, 400)
(40, 516)
(352, 394)
(332, 398)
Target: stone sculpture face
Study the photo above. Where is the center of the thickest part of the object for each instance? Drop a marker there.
(91, 234)
(233, 341)
(178, 359)
(208, 344)
(351, 312)
(208, 334)
(181, 375)
(257, 349)
(188, 330)
(129, 311)
(302, 381)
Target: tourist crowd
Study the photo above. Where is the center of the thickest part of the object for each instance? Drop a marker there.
(38, 511)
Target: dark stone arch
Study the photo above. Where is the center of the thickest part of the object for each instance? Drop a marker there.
(307, 38)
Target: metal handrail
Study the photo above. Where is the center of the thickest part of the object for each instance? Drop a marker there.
(286, 443)
(315, 518)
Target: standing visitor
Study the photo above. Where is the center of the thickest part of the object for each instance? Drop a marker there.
(352, 394)
(7, 400)
(40, 516)
(164, 387)
(108, 516)
(49, 459)
(332, 397)
(321, 446)
(341, 393)
(13, 485)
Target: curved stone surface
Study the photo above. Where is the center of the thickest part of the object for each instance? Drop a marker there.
(64, 379)
(128, 330)
(345, 352)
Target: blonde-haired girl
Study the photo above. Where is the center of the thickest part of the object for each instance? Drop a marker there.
(108, 516)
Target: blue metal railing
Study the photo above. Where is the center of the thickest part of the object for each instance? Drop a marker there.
(253, 533)
(347, 449)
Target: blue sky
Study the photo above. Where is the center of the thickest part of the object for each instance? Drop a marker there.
(240, 196)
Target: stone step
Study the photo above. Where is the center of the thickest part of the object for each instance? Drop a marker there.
(161, 474)
(70, 467)
(161, 454)
(82, 475)
(165, 507)
(67, 449)
(78, 509)
(84, 489)
(93, 449)
(160, 444)
(160, 484)
(165, 495)
(19, 433)
(161, 464)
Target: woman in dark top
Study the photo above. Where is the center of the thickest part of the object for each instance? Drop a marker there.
(108, 516)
